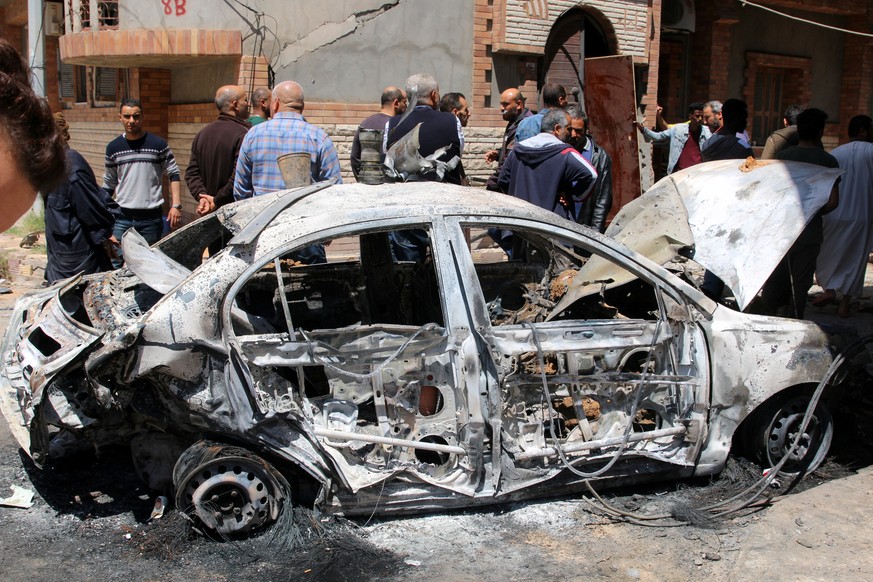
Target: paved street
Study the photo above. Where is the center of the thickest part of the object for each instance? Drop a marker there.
(820, 534)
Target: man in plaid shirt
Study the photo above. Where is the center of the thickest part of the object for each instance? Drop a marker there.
(257, 171)
(257, 168)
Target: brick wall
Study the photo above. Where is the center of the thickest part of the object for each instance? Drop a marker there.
(252, 73)
(154, 93)
(525, 24)
(485, 107)
(13, 17)
(51, 82)
(710, 52)
(670, 79)
(650, 99)
(856, 89)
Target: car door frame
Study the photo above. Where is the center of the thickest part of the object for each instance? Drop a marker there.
(653, 274)
(456, 322)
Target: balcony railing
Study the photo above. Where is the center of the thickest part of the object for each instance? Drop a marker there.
(85, 15)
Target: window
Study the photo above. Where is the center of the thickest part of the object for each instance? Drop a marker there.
(105, 85)
(773, 82)
(73, 83)
(97, 86)
(108, 13)
(532, 287)
(767, 109)
(360, 284)
(85, 15)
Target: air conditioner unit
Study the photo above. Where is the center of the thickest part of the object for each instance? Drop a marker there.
(53, 19)
(678, 15)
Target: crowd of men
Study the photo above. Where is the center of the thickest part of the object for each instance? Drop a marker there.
(549, 158)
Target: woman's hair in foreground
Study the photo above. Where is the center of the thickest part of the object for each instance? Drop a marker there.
(27, 127)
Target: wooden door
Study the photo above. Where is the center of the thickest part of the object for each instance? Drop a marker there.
(610, 102)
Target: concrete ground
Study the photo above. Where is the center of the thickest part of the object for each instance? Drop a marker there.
(820, 534)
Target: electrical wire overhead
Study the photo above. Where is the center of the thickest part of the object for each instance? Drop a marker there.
(745, 3)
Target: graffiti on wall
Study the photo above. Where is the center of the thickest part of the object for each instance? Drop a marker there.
(174, 7)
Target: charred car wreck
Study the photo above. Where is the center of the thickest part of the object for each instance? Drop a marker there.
(366, 383)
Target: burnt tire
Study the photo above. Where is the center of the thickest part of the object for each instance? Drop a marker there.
(229, 491)
(772, 428)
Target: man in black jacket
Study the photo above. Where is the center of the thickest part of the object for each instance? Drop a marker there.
(215, 149)
(595, 209)
(78, 219)
(513, 110)
(439, 129)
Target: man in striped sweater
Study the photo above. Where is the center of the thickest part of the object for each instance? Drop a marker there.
(135, 164)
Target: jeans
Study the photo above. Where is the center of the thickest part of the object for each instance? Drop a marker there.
(409, 245)
(151, 230)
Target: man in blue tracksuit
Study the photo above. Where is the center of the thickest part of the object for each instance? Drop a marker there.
(545, 170)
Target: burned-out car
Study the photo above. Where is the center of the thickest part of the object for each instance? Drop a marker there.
(367, 383)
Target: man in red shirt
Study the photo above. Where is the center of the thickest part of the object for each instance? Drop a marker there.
(686, 139)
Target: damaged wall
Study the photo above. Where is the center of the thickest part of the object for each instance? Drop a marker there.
(344, 50)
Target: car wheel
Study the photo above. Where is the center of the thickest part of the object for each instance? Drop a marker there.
(775, 427)
(228, 490)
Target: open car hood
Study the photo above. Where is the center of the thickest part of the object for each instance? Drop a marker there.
(741, 218)
(150, 264)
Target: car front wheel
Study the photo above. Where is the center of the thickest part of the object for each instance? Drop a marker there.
(774, 427)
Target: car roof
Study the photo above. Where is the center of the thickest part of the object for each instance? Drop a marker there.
(348, 204)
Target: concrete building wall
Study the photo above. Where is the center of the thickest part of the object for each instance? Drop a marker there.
(342, 50)
(413, 36)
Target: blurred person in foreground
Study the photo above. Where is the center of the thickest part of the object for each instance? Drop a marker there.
(31, 151)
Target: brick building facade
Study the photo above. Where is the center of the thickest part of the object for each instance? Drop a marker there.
(173, 55)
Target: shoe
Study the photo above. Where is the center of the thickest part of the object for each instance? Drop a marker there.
(843, 310)
(825, 298)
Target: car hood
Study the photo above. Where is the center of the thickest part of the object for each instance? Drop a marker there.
(740, 217)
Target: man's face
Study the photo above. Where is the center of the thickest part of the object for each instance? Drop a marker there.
(243, 107)
(562, 132)
(264, 105)
(577, 133)
(401, 104)
(510, 108)
(463, 112)
(695, 119)
(131, 119)
(711, 119)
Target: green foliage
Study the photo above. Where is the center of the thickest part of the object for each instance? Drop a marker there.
(30, 222)
(5, 273)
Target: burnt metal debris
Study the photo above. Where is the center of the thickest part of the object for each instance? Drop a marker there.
(366, 384)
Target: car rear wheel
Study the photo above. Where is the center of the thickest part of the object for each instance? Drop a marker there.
(228, 490)
(774, 427)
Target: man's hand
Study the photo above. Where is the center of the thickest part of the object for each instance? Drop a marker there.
(174, 217)
(491, 156)
(206, 204)
(112, 245)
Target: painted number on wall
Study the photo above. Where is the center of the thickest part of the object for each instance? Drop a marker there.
(536, 9)
(176, 7)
